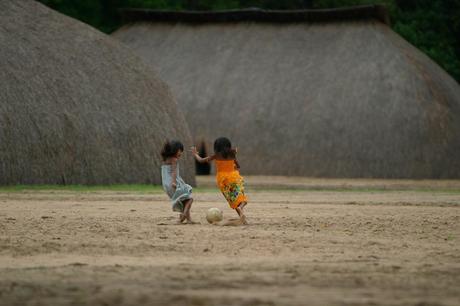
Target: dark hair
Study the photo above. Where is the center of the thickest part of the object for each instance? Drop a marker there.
(171, 148)
(223, 147)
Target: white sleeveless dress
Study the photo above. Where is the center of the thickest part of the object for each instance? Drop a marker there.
(183, 191)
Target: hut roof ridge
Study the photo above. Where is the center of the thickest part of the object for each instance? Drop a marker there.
(355, 13)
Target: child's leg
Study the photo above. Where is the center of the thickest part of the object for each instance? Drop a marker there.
(181, 217)
(187, 207)
(240, 212)
(235, 222)
(185, 214)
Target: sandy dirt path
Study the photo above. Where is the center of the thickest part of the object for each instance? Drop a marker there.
(302, 247)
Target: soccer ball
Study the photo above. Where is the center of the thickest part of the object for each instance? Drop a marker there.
(214, 215)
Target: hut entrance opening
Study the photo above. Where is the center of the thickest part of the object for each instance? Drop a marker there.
(202, 168)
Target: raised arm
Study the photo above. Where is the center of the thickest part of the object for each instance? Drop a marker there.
(199, 158)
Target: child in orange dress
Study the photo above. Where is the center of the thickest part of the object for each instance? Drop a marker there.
(228, 177)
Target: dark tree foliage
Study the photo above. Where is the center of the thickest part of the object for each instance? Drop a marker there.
(431, 25)
(434, 27)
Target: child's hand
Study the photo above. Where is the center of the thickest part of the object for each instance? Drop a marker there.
(174, 185)
(194, 151)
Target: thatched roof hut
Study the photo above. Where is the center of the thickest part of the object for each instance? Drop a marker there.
(329, 93)
(76, 106)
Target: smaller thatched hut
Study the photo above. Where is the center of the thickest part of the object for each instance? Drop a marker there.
(328, 93)
(76, 106)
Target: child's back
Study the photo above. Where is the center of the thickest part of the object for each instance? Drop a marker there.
(225, 165)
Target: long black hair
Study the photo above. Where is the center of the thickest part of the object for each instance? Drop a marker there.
(170, 148)
(223, 147)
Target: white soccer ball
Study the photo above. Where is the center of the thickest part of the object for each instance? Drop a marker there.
(214, 215)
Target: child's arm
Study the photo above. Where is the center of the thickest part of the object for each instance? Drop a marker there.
(174, 172)
(201, 159)
(237, 165)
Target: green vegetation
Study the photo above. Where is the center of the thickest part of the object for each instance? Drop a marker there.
(149, 189)
(128, 188)
(431, 25)
(83, 188)
(351, 189)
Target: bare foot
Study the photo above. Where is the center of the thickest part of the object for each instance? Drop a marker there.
(182, 218)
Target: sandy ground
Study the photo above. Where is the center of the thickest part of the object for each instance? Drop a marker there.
(318, 242)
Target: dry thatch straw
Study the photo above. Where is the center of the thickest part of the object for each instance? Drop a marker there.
(76, 106)
(334, 98)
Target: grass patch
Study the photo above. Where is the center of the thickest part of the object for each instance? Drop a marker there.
(138, 188)
(145, 188)
(348, 189)
(135, 188)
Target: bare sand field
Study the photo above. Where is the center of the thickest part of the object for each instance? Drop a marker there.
(309, 242)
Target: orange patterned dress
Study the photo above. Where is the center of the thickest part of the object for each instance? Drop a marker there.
(230, 182)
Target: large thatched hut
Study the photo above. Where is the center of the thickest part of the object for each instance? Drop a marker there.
(331, 93)
(76, 106)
